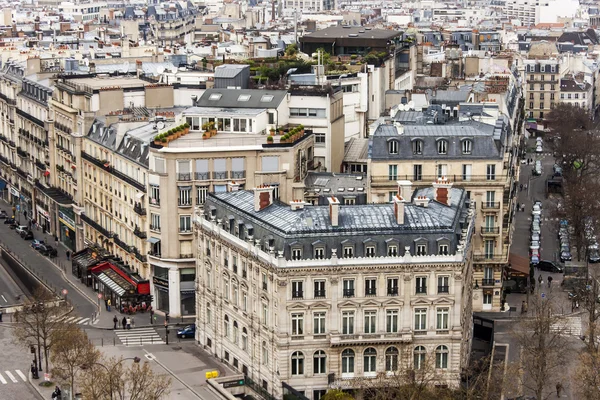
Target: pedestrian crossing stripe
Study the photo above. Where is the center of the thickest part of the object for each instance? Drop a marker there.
(12, 377)
(72, 320)
(139, 337)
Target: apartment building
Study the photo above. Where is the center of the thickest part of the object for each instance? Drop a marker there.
(474, 152)
(187, 169)
(322, 297)
(542, 88)
(577, 92)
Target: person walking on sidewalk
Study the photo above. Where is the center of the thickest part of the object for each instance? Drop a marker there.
(151, 317)
(68, 253)
(115, 321)
(128, 323)
(124, 323)
(559, 388)
(108, 305)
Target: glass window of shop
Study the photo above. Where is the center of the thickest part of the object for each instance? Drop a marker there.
(161, 287)
(187, 279)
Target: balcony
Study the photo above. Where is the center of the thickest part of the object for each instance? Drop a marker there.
(139, 210)
(392, 291)
(370, 292)
(96, 226)
(155, 202)
(489, 258)
(184, 177)
(121, 243)
(41, 166)
(221, 175)
(22, 153)
(490, 230)
(238, 174)
(155, 228)
(105, 165)
(443, 289)
(186, 256)
(184, 202)
(384, 180)
(348, 292)
(490, 205)
(488, 282)
(421, 290)
(12, 144)
(319, 294)
(202, 176)
(21, 173)
(299, 294)
(139, 233)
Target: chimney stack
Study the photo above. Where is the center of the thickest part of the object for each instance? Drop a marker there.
(405, 189)
(422, 201)
(263, 197)
(441, 189)
(297, 205)
(399, 209)
(334, 210)
(233, 186)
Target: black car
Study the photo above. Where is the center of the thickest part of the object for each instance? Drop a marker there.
(14, 225)
(48, 251)
(27, 235)
(550, 266)
(9, 221)
(3, 214)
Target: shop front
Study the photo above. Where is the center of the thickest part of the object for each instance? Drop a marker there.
(127, 293)
(66, 227)
(43, 218)
(84, 260)
(161, 293)
(3, 190)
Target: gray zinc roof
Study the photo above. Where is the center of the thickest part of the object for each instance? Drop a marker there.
(244, 98)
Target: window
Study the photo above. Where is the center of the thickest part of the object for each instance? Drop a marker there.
(319, 362)
(542, 86)
(442, 147)
(420, 319)
(154, 195)
(318, 394)
(441, 357)
(530, 96)
(491, 172)
(532, 87)
(392, 250)
(308, 112)
(467, 146)
(185, 196)
(370, 321)
(541, 105)
(319, 289)
(443, 284)
(421, 284)
(569, 96)
(370, 251)
(393, 147)
(562, 96)
(265, 314)
(155, 222)
(392, 287)
(319, 253)
(348, 251)
(442, 170)
(208, 314)
(419, 357)
(442, 319)
(391, 321)
(245, 301)
(270, 163)
(319, 323)
(265, 353)
(348, 287)
(226, 326)
(297, 289)
(296, 253)
(349, 201)
(417, 146)
(370, 287)
(443, 249)
(541, 96)
(348, 361)
(421, 249)
(583, 95)
(214, 96)
(264, 281)
(348, 322)
(226, 288)
(235, 332)
(202, 192)
(393, 172)
(244, 97)
(487, 299)
(267, 98)
(185, 223)
(319, 139)
(552, 96)
(244, 339)
(391, 359)
(531, 104)
(488, 247)
(417, 172)
(297, 363)
(370, 360)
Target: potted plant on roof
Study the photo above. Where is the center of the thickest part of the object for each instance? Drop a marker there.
(186, 128)
(163, 140)
(281, 131)
(301, 128)
(157, 139)
(213, 128)
(270, 139)
(205, 135)
(272, 131)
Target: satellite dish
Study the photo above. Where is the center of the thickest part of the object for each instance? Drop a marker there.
(160, 125)
(160, 70)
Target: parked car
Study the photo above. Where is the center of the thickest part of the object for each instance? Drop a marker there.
(535, 236)
(534, 245)
(3, 214)
(14, 225)
(187, 332)
(538, 148)
(10, 220)
(535, 259)
(27, 235)
(37, 243)
(21, 228)
(535, 228)
(47, 250)
(565, 255)
(536, 210)
(594, 256)
(550, 266)
(557, 169)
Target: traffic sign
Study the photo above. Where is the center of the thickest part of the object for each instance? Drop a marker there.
(65, 291)
(229, 384)
(543, 295)
(99, 295)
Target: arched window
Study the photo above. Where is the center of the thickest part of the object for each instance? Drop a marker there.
(441, 357)
(467, 146)
(348, 361)
(370, 360)
(319, 362)
(265, 353)
(442, 146)
(235, 332)
(419, 357)
(391, 359)
(226, 288)
(297, 363)
(244, 339)
(226, 327)
(393, 146)
(417, 146)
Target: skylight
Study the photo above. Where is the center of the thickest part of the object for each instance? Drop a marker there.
(215, 96)
(266, 98)
(244, 97)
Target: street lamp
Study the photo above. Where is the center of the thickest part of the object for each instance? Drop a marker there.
(109, 371)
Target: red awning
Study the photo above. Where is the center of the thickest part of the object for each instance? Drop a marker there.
(106, 265)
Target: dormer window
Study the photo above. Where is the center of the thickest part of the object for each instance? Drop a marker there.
(467, 146)
(442, 146)
(417, 146)
(393, 147)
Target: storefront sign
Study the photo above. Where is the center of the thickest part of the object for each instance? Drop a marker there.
(187, 291)
(65, 219)
(43, 212)
(160, 282)
(13, 191)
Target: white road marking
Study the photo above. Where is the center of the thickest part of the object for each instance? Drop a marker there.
(21, 375)
(2, 380)
(11, 377)
(83, 321)
(4, 298)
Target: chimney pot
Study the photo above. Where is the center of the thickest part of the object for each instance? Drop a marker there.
(399, 209)
(263, 197)
(334, 210)
(442, 191)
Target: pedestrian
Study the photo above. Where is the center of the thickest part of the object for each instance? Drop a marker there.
(57, 394)
(525, 187)
(573, 306)
(549, 281)
(523, 307)
(559, 388)
(128, 323)
(108, 305)
(0, 315)
(151, 316)
(124, 323)
(167, 317)
(56, 239)
(115, 321)
(69, 257)
(521, 187)
(540, 280)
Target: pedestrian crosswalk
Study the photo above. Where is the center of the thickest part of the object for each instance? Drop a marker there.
(68, 319)
(139, 337)
(570, 326)
(15, 377)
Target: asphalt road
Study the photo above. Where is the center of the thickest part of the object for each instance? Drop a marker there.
(15, 364)
(10, 292)
(44, 268)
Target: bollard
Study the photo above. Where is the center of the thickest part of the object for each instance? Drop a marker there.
(102, 342)
(126, 341)
(114, 341)
(140, 341)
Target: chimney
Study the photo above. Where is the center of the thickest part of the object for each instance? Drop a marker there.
(92, 68)
(422, 201)
(263, 197)
(399, 209)
(334, 210)
(297, 205)
(405, 189)
(233, 186)
(441, 189)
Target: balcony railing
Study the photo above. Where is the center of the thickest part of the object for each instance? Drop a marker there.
(488, 258)
(139, 233)
(392, 291)
(155, 228)
(490, 230)
(488, 282)
(421, 289)
(370, 292)
(139, 210)
(107, 167)
(186, 255)
(319, 294)
(443, 289)
(238, 174)
(220, 175)
(121, 243)
(97, 226)
(184, 203)
(348, 292)
(490, 205)
(21, 152)
(202, 176)
(40, 164)
(154, 201)
(391, 179)
(184, 176)
(298, 294)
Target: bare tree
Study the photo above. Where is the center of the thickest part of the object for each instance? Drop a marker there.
(71, 350)
(543, 345)
(587, 376)
(39, 320)
(337, 394)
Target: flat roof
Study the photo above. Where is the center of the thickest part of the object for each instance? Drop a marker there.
(360, 31)
(99, 82)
